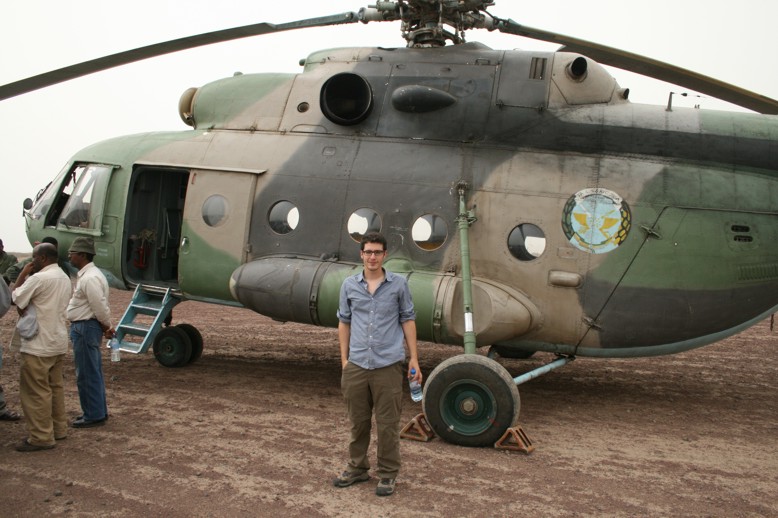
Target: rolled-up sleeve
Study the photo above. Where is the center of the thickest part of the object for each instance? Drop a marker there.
(407, 311)
(344, 305)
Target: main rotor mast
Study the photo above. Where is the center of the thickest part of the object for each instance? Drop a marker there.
(425, 22)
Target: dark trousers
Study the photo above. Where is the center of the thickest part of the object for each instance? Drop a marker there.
(378, 390)
(87, 335)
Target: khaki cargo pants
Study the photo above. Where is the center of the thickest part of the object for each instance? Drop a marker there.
(365, 391)
(41, 390)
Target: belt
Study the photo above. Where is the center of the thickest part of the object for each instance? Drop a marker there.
(82, 321)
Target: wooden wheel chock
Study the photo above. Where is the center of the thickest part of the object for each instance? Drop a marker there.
(418, 429)
(515, 439)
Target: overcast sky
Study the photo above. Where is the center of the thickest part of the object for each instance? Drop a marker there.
(40, 131)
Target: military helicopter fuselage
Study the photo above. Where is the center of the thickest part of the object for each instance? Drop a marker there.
(602, 228)
(597, 227)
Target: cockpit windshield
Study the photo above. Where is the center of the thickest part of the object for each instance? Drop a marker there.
(75, 199)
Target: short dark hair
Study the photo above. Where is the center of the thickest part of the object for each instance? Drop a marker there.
(50, 240)
(372, 237)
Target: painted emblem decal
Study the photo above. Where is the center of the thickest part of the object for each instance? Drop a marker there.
(596, 220)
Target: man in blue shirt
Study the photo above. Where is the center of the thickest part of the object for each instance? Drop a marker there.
(375, 316)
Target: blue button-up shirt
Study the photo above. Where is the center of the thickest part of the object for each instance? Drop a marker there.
(376, 338)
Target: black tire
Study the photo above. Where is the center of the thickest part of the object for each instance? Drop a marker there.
(515, 354)
(172, 347)
(196, 338)
(471, 400)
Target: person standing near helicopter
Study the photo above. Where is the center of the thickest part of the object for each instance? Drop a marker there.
(90, 320)
(5, 304)
(375, 315)
(6, 261)
(44, 297)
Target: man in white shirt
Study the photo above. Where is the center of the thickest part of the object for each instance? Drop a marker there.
(90, 320)
(40, 373)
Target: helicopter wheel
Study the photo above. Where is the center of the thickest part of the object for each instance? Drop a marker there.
(471, 400)
(172, 347)
(196, 338)
(507, 352)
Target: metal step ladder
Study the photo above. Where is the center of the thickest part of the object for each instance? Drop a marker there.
(149, 308)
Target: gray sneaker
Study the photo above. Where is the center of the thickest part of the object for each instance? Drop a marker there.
(385, 487)
(349, 477)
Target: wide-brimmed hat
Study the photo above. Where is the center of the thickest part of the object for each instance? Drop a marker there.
(83, 244)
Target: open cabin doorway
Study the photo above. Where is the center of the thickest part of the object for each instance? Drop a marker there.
(153, 226)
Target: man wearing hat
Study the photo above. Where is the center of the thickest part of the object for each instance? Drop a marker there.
(90, 320)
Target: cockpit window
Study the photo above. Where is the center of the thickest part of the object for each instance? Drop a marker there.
(84, 207)
(45, 196)
(75, 201)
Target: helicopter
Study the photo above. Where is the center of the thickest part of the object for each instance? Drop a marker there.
(556, 216)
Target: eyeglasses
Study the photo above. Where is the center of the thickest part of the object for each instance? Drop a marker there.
(374, 252)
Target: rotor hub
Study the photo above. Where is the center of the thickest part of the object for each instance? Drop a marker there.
(424, 22)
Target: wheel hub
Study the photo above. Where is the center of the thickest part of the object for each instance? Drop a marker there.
(468, 406)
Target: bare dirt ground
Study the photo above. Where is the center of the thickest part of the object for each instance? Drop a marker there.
(257, 427)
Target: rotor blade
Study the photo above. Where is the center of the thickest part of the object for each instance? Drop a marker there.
(158, 49)
(648, 67)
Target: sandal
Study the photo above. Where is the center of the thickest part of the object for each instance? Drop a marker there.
(9, 416)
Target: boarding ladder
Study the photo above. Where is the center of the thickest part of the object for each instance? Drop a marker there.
(142, 320)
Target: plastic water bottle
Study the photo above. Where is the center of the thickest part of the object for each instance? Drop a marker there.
(415, 386)
(116, 354)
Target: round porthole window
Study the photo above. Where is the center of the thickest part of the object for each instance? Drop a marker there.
(429, 232)
(526, 242)
(363, 221)
(215, 210)
(283, 217)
